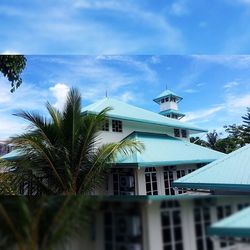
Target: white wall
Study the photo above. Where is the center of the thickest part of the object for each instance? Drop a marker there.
(129, 127)
(168, 105)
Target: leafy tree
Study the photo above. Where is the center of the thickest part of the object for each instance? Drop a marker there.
(235, 133)
(45, 223)
(246, 126)
(212, 139)
(60, 152)
(11, 67)
(226, 145)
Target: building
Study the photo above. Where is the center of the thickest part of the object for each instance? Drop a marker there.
(227, 175)
(234, 228)
(4, 148)
(141, 210)
(163, 223)
(164, 137)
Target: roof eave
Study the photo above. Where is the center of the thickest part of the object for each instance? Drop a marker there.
(213, 186)
(196, 130)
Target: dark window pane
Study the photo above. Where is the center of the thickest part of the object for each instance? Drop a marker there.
(166, 235)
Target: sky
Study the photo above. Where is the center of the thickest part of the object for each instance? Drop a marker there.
(215, 88)
(125, 27)
(198, 48)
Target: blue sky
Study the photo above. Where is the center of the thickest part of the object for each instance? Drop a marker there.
(125, 27)
(216, 89)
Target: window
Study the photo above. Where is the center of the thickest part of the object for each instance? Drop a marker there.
(184, 133)
(116, 126)
(168, 180)
(170, 175)
(105, 126)
(122, 228)
(123, 182)
(171, 225)
(162, 100)
(151, 181)
(242, 205)
(222, 212)
(176, 132)
(202, 222)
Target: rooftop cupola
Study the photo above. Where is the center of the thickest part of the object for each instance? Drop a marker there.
(168, 102)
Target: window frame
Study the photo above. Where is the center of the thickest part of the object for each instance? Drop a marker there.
(117, 126)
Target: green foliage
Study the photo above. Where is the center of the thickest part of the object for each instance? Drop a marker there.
(246, 126)
(61, 153)
(12, 66)
(45, 223)
(238, 136)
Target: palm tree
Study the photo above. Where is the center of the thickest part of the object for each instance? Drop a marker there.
(212, 139)
(60, 153)
(45, 223)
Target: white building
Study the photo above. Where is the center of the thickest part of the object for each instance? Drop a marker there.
(168, 154)
(141, 210)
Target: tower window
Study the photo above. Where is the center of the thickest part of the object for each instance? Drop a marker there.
(162, 100)
(176, 132)
(184, 133)
(116, 126)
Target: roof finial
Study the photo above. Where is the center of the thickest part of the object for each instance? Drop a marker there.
(106, 93)
(166, 86)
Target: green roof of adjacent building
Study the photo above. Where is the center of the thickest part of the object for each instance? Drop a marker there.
(236, 225)
(124, 111)
(164, 150)
(231, 173)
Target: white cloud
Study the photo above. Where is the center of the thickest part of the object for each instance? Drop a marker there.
(233, 61)
(10, 52)
(231, 84)
(202, 114)
(191, 91)
(237, 102)
(126, 97)
(60, 91)
(65, 29)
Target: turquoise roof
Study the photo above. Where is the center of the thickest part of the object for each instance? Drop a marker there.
(166, 93)
(164, 150)
(171, 111)
(236, 225)
(124, 111)
(231, 173)
(13, 155)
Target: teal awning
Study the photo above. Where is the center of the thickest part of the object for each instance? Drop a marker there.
(164, 150)
(236, 225)
(231, 173)
(129, 112)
